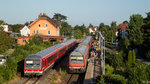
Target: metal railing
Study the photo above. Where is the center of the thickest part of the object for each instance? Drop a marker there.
(102, 49)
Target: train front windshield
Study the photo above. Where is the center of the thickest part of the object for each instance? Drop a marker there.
(32, 64)
(75, 59)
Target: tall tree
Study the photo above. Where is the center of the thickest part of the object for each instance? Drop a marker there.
(83, 29)
(66, 29)
(59, 17)
(101, 25)
(136, 21)
(114, 29)
(146, 36)
(135, 35)
(131, 58)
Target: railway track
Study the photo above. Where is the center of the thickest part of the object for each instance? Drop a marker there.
(81, 78)
(31, 81)
(72, 79)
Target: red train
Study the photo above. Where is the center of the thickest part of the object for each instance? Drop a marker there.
(79, 57)
(38, 63)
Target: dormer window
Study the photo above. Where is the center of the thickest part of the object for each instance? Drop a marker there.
(39, 25)
(46, 25)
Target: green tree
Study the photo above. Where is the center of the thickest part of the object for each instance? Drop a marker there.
(65, 29)
(36, 40)
(27, 23)
(59, 17)
(2, 22)
(78, 34)
(124, 44)
(6, 41)
(136, 21)
(115, 79)
(83, 29)
(90, 25)
(113, 29)
(135, 35)
(108, 33)
(16, 27)
(114, 59)
(145, 49)
(125, 22)
(131, 58)
(101, 25)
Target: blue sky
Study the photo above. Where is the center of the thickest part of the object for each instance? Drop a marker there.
(78, 11)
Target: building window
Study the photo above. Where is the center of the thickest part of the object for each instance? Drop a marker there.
(39, 25)
(37, 31)
(24, 41)
(48, 32)
(46, 25)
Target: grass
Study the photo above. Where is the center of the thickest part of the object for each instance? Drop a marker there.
(63, 73)
(8, 52)
(55, 77)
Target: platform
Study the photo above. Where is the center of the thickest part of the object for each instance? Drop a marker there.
(93, 70)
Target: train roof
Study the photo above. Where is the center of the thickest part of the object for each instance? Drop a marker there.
(46, 51)
(64, 43)
(79, 50)
(33, 56)
(86, 40)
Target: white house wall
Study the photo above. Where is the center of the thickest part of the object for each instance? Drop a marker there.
(25, 31)
(90, 30)
(5, 27)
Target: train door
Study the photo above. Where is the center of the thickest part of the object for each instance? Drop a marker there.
(44, 63)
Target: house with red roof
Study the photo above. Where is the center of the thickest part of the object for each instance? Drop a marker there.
(43, 26)
(123, 27)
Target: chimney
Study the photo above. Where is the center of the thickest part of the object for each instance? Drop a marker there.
(44, 14)
(40, 15)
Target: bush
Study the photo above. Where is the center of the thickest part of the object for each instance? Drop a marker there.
(148, 71)
(115, 79)
(114, 59)
(36, 40)
(109, 69)
(101, 81)
(138, 74)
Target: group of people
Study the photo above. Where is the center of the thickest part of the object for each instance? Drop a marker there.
(94, 49)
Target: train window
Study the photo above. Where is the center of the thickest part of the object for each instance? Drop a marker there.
(32, 64)
(52, 57)
(76, 60)
(36, 62)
